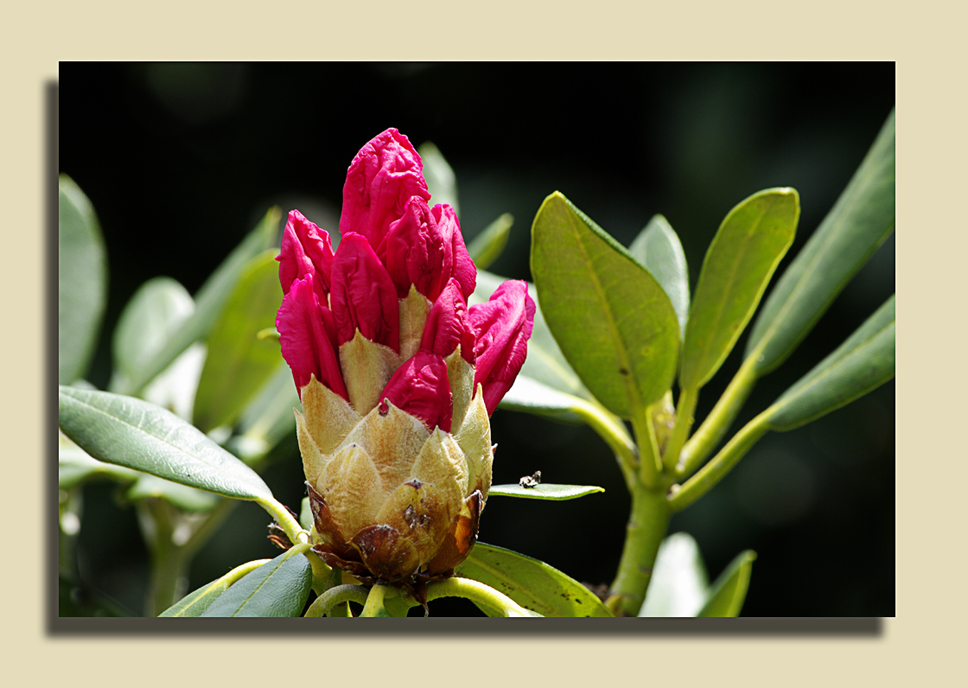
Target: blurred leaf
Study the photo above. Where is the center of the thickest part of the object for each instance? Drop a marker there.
(241, 363)
(269, 418)
(278, 588)
(728, 593)
(441, 180)
(531, 583)
(182, 496)
(679, 585)
(612, 320)
(209, 300)
(75, 466)
(658, 250)
(860, 364)
(485, 248)
(859, 222)
(82, 277)
(155, 311)
(306, 519)
(547, 491)
(137, 434)
(738, 265)
(531, 396)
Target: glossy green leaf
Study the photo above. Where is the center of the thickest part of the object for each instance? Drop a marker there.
(137, 434)
(548, 491)
(658, 250)
(859, 222)
(531, 583)
(862, 363)
(82, 276)
(209, 300)
(612, 320)
(728, 592)
(268, 418)
(679, 585)
(739, 263)
(157, 309)
(184, 497)
(485, 248)
(440, 177)
(241, 362)
(278, 588)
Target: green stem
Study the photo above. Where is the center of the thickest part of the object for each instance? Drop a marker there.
(337, 595)
(650, 464)
(721, 464)
(282, 516)
(719, 419)
(688, 397)
(611, 429)
(646, 527)
(373, 607)
(476, 592)
(167, 581)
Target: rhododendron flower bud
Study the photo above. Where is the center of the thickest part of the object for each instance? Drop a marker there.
(397, 376)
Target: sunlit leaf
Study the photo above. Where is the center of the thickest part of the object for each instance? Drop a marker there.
(547, 491)
(658, 250)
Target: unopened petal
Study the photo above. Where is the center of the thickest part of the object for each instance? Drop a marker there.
(363, 296)
(306, 249)
(460, 265)
(421, 388)
(448, 325)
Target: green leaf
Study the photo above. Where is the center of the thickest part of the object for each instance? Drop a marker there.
(197, 602)
(241, 362)
(658, 250)
(548, 491)
(278, 588)
(738, 265)
(137, 434)
(485, 248)
(268, 418)
(679, 585)
(209, 300)
(82, 277)
(862, 363)
(75, 466)
(156, 310)
(728, 593)
(306, 519)
(182, 496)
(612, 320)
(441, 180)
(531, 583)
(859, 222)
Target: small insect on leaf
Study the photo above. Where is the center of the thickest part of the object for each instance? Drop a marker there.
(531, 480)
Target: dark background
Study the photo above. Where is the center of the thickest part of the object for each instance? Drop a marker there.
(181, 160)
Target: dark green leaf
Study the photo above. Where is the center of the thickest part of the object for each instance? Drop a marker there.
(658, 250)
(860, 364)
(738, 265)
(278, 588)
(728, 592)
(441, 180)
(81, 281)
(859, 222)
(150, 317)
(531, 583)
(241, 363)
(485, 248)
(679, 585)
(612, 320)
(549, 491)
(210, 299)
(137, 434)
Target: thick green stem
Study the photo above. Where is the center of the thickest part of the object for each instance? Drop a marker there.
(334, 596)
(646, 527)
(721, 464)
(719, 419)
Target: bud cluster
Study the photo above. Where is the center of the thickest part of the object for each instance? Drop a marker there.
(398, 376)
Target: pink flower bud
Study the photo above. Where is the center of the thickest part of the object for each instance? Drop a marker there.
(307, 337)
(421, 388)
(380, 181)
(464, 270)
(503, 327)
(306, 250)
(448, 325)
(363, 296)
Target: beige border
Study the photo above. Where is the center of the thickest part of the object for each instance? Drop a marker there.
(922, 645)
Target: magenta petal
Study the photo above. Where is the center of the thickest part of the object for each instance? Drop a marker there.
(306, 249)
(383, 176)
(448, 324)
(305, 337)
(363, 296)
(415, 251)
(503, 326)
(421, 388)
(458, 262)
